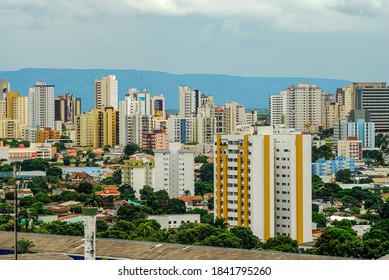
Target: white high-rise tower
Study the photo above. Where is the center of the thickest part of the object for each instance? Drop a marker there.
(41, 105)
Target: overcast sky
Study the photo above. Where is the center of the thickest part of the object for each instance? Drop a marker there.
(345, 39)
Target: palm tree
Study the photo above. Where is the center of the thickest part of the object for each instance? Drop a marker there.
(27, 216)
(24, 246)
(187, 193)
(145, 230)
(94, 200)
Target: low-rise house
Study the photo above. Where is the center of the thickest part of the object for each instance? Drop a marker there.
(109, 191)
(193, 201)
(80, 177)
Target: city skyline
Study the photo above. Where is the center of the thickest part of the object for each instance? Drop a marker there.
(328, 39)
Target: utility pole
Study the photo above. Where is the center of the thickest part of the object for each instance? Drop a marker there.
(16, 216)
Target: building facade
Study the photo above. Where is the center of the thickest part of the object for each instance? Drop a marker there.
(138, 171)
(106, 92)
(189, 101)
(41, 105)
(323, 167)
(174, 170)
(303, 107)
(263, 181)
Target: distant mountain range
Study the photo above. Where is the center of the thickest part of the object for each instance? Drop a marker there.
(253, 92)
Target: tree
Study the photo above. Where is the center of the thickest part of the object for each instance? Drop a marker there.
(94, 200)
(125, 226)
(54, 172)
(206, 171)
(225, 239)
(337, 242)
(384, 225)
(101, 226)
(343, 176)
(62, 228)
(131, 149)
(220, 223)
(281, 243)
(375, 249)
(126, 192)
(324, 151)
(130, 212)
(249, 240)
(202, 188)
(117, 177)
(27, 217)
(211, 203)
(349, 201)
(145, 230)
(379, 234)
(35, 164)
(6, 208)
(85, 187)
(319, 219)
(201, 159)
(176, 206)
(374, 155)
(164, 200)
(9, 196)
(66, 161)
(27, 201)
(384, 210)
(187, 193)
(59, 146)
(42, 197)
(106, 148)
(150, 199)
(24, 246)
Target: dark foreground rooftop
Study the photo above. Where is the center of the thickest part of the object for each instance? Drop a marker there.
(57, 245)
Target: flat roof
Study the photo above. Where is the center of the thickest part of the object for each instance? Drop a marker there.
(139, 250)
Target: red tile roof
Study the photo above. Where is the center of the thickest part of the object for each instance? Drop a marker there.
(190, 198)
(110, 190)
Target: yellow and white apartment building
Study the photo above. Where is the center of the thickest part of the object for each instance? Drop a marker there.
(263, 181)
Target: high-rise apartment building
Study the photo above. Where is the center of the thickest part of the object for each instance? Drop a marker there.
(357, 126)
(155, 140)
(138, 171)
(263, 181)
(135, 128)
(332, 112)
(85, 129)
(182, 130)
(374, 97)
(345, 98)
(303, 107)
(106, 92)
(17, 108)
(189, 101)
(97, 128)
(277, 108)
(174, 170)
(66, 108)
(41, 105)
